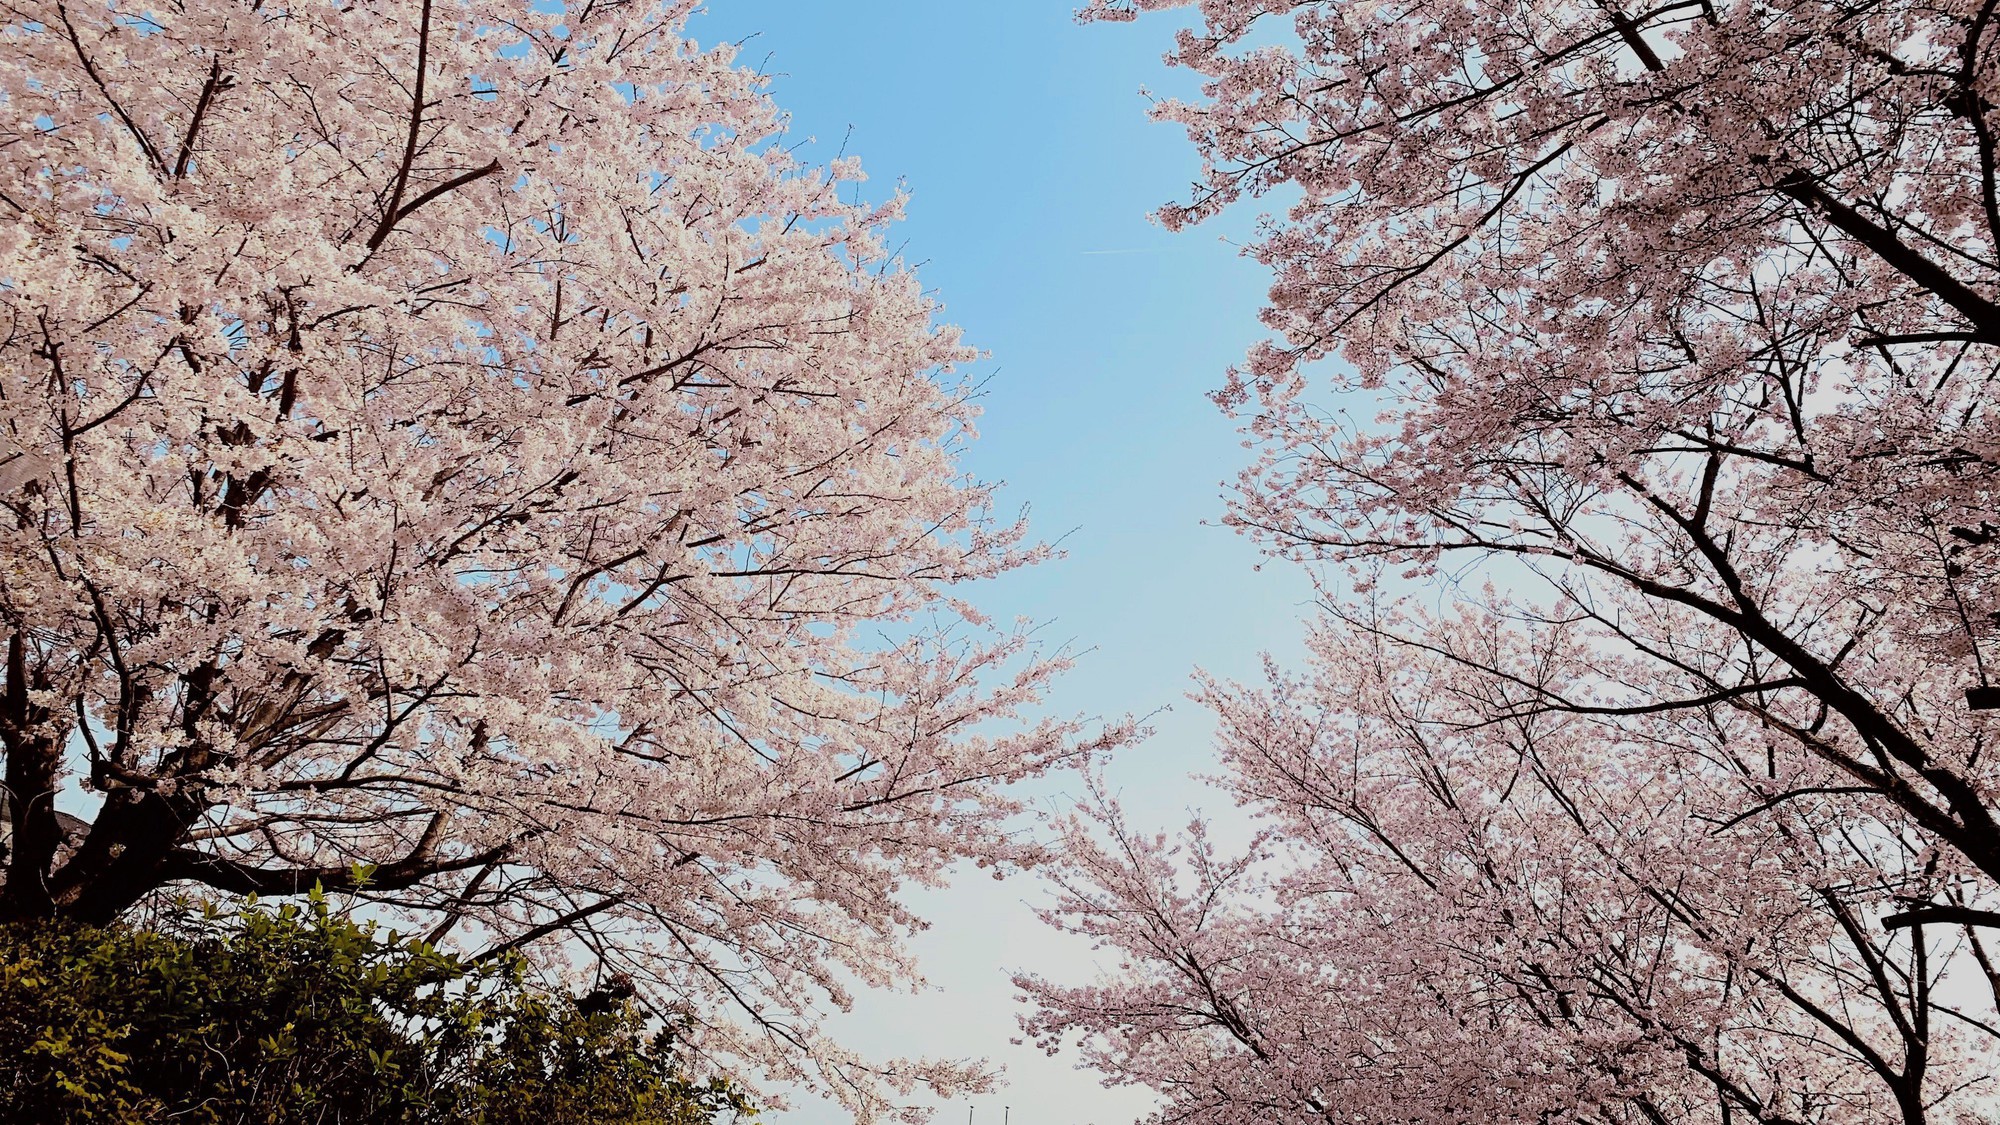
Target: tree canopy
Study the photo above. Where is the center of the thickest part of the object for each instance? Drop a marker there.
(1630, 393)
(459, 441)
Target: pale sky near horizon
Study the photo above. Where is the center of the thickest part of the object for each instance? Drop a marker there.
(1024, 140)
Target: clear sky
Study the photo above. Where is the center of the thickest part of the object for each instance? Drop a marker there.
(1024, 140)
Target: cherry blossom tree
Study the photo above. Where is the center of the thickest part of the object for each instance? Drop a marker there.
(1469, 908)
(455, 456)
(1683, 307)
(1677, 322)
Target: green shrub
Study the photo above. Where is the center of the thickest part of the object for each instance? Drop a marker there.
(299, 1014)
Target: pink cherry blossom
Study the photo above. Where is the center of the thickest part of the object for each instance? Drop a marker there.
(1468, 905)
(455, 455)
(1678, 325)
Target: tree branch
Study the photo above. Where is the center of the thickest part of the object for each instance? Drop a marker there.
(1942, 915)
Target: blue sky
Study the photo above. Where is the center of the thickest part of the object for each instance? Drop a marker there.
(1024, 140)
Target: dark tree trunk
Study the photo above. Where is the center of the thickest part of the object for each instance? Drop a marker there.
(34, 756)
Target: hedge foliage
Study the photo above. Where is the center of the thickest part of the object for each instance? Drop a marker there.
(298, 1014)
